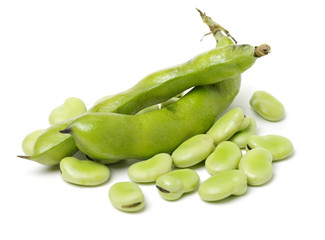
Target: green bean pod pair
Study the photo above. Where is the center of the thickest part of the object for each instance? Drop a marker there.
(110, 137)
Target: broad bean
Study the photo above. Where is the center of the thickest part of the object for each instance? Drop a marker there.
(267, 106)
(83, 172)
(29, 141)
(257, 165)
(227, 125)
(173, 185)
(280, 147)
(127, 196)
(226, 156)
(192, 151)
(72, 107)
(149, 170)
(222, 185)
(241, 138)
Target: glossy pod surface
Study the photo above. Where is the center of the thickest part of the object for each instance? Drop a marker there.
(227, 125)
(223, 185)
(126, 196)
(72, 107)
(226, 156)
(173, 185)
(193, 151)
(279, 146)
(240, 138)
(109, 137)
(149, 170)
(83, 172)
(257, 165)
(267, 106)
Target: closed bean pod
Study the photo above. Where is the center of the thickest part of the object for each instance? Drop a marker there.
(30, 140)
(149, 170)
(226, 156)
(126, 196)
(227, 125)
(83, 172)
(267, 106)
(223, 185)
(192, 151)
(241, 137)
(173, 185)
(72, 107)
(279, 146)
(257, 165)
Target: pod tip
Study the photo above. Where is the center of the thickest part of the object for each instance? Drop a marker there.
(65, 131)
(262, 50)
(24, 157)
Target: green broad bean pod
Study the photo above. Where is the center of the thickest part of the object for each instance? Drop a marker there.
(173, 185)
(279, 146)
(127, 197)
(240, 138)
(223, 185)
(213, 66)
(149, 170)
(257, 165)
(225, 157)
(110, 137)
(227, 125)
(83, 172)
(192, 151)
(267, 106)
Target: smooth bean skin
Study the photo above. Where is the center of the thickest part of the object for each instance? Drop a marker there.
(267, 106)
(72, 107)
(149, 170)
(241, 137)
(280, 147)
(29, 141)
(192, 151)
(227, 125)
(127, 197)
(173, 185)
(83, 172)
(222, 185)
(257, 165)
(225, 157)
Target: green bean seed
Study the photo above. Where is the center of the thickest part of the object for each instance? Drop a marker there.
(72, 107)
(226, 156)
(280, 147)
(241, 138)
(148, 109)
(257, 165)
(192, 151)
(173, 185)
(29, 141)
(267, 106)
(227, 125)
(223, 185)
(151, 169)
(83, 172)
(126, 196)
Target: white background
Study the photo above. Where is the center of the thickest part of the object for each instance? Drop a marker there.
(51, 50)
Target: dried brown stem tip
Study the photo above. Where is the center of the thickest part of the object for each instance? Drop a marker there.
(262, 50)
